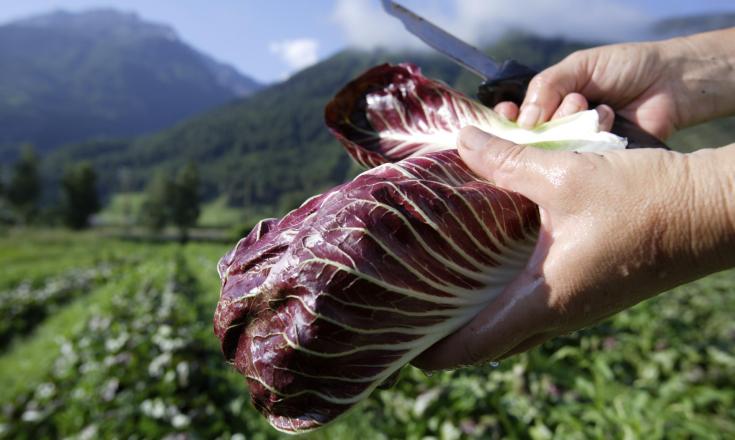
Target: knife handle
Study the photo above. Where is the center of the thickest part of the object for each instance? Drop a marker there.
(510, 84)
(637, 137)
(508, 89)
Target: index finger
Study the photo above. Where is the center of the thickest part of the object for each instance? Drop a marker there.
(507, 109)
(547, 89)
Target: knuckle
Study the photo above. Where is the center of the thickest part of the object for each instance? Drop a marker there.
(508, 158)
(576, 100)
(576, 56)
(541, 81)
(581, 57)
(548, 86)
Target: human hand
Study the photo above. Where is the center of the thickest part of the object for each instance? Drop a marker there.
(616, 228)
(660, 86)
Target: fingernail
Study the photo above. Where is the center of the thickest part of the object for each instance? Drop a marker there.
(565, 110)
(606, 116)
(529, 116)
(471, 138)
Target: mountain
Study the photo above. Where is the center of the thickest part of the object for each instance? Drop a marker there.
(230, 78)
(68, 77)
(271, 150)
(677, 26)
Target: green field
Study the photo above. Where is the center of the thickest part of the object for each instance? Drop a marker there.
(125, 209)
(104, 338)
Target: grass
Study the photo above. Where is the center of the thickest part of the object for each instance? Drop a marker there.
(32, 355)
(122, 209)
(125, 208)
(217, 214)
(49, 253)
(665, 368)
(709, 135)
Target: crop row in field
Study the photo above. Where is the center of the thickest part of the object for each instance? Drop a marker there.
(134, 356)
(138, 368)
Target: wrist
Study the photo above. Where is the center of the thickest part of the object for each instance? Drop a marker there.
(712, 209)
(724, 162)
(701, 74)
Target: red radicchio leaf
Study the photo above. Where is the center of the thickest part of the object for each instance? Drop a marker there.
(319, 308)
(393, 112)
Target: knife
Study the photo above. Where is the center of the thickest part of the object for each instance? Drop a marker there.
(506, 81)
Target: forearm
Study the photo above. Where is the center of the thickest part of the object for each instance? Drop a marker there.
(711, 210)
(722, 203)
(702, 72)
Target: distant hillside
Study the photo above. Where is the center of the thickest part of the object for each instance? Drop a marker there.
(271, 150)
(676, 26)
(67, 77)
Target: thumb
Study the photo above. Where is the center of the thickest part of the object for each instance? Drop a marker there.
(513, 167)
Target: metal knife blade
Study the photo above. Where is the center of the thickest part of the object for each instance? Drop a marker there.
(446, 43)
(507, 81)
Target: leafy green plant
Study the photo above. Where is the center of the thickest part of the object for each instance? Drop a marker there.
(660, 370)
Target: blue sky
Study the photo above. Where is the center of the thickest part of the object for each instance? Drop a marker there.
(269, 39)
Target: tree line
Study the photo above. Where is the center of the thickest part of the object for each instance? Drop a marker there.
(168, 200)
(172, 201)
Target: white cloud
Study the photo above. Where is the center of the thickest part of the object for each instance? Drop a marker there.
(596, 20)
(297, 53)
(366, 25)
